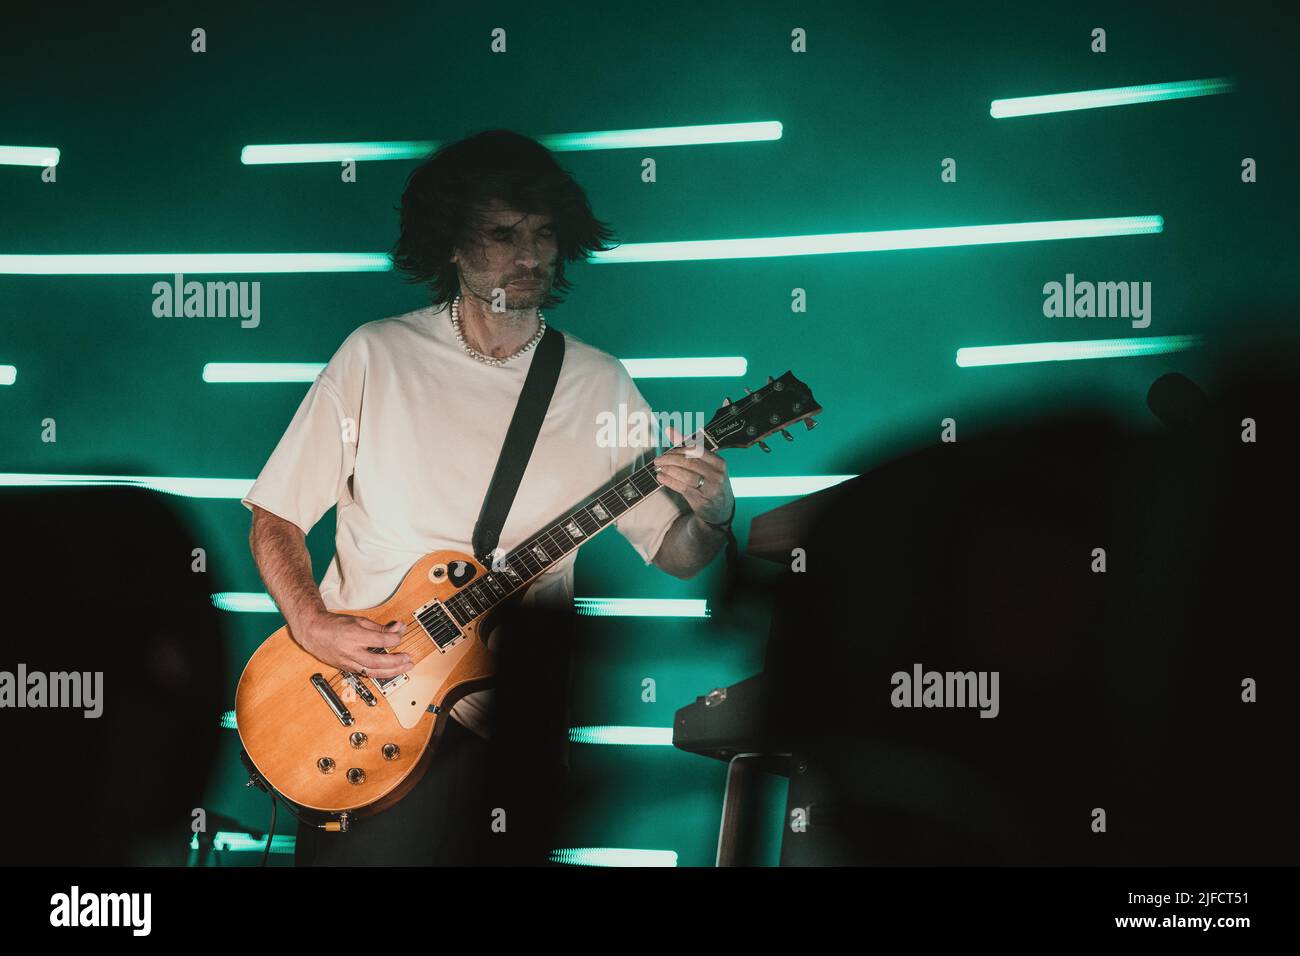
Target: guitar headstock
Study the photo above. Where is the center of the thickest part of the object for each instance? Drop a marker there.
(773, 408)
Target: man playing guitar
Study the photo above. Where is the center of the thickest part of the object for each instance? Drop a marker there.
(402, 429)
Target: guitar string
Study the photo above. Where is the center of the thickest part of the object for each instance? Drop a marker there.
(446, 628)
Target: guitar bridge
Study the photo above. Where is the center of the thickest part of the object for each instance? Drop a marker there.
(332, 699)
(359, 687)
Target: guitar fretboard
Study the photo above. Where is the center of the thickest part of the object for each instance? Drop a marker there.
(518, 567)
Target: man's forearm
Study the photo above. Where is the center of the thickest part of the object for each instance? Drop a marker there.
(280, 551)
(688, 546)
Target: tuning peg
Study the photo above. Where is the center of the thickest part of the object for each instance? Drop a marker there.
(726, 402)
(810, 422)
(763, 445)
(786, 435)
(770, 380)
(747, 389)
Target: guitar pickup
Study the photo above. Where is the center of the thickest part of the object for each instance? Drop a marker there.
(387, 684)
(332, 699)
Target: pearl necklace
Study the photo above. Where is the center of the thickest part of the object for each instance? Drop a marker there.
(488, 359)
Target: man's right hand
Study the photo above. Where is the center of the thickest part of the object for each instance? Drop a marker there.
(343, 641)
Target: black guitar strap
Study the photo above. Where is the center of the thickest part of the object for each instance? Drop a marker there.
(534, 400)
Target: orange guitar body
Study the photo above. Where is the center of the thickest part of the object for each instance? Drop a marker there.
(362, 751)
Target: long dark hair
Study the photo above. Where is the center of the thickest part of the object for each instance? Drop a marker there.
(444, 197)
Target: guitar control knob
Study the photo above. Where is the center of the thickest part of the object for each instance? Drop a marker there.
(356, 775)
(325, 765)
(358, 739)
(391, 751)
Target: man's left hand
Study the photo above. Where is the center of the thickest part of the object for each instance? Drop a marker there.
(699, 476)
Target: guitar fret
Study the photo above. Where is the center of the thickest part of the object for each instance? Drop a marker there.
(499, 591)
(541, 551)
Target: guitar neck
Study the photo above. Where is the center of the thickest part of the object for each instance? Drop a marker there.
(515, 570)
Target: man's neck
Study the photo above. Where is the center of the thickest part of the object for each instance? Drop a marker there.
(497, 334)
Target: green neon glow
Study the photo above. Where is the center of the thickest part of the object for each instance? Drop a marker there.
(262, 371)
(1073, 351)
(228, 721)
(247, 372)
(784, 486)
(720, 367)
(665, 136)
(285, 843)
(398, 149)
(259, 602)
(29, 156)
(8, 374)
(186, 487)
(1113, 96)
(247, 843)
(237, 488)
(269, 154)
(192, 263)
(629, 736)
(613, 856)
(244, 602)
(882, 241)
(641, 607)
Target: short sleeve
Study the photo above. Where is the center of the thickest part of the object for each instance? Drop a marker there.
(646, 525)
(309, 469)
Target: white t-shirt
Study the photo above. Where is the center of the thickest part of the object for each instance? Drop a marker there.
(402, 429)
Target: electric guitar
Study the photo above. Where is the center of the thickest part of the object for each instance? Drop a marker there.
(343, 745)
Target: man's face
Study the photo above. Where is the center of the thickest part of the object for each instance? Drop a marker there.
(512, 249)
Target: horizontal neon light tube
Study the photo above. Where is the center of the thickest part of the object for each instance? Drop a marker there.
(259, 602)
(262, 371)
(272, 153)
(248, 372)
(613, 856)
(721, 367)
(882, 241)
(187, 487)
(665, 136)
(626, 736)
(244, 602)
(1073, 351)
(784, 486)
(247, 843)
(641, 607)
(29, 156)
(279, 153)
(228, 721)
(8, 374)
(1113, 96)
(237, 488)
(167, 263)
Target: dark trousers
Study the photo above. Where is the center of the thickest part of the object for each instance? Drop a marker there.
(448, 817)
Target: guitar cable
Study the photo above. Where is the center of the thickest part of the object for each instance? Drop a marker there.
(270, 834)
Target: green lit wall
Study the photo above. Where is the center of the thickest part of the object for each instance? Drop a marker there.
(150, 135)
